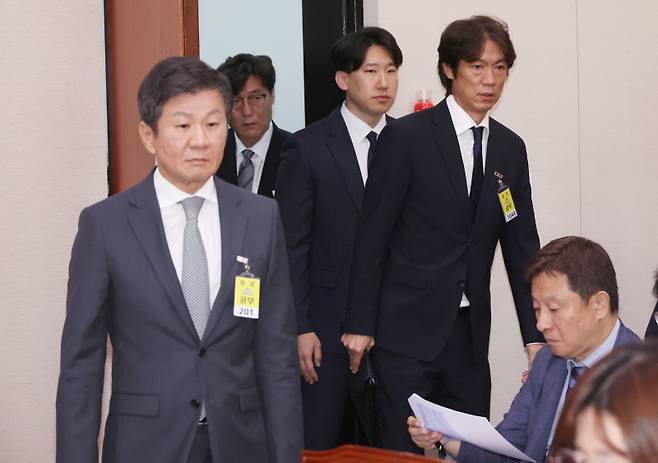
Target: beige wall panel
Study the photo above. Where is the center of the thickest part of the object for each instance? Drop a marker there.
(539, 103)
(54, 158)
(618, 121)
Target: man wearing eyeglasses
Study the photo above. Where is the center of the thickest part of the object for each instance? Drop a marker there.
(321, 179)
(253, 145)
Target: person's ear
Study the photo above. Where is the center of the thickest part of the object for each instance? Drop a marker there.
(342, 79)
(601, 304)
(147, 136)
(447, 70)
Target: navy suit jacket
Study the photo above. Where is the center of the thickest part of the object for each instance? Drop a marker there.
(319, 190)
(122, 283)
(527, 424)
(417, 247)
(228, 171)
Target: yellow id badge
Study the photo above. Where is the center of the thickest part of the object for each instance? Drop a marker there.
(507, 203)
(247, 297)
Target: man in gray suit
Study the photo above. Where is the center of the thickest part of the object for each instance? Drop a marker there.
(198, 374)
(574, 293)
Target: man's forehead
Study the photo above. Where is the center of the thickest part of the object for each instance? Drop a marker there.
(374, 50)
(253, 84)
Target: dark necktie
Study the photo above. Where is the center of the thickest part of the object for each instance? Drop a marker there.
(576, 373)
(478, 176)
(246, 170)
(372, 138)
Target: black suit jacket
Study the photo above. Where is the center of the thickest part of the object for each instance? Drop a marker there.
(652, 327)
(417, 247)
(320, 190)
(227, 170)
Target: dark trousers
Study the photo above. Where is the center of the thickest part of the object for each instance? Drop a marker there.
(329, 416)
(200, 451)
(454, 379)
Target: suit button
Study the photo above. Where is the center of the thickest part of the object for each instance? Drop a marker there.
(202, 352)
(460, 284)
(195, 403)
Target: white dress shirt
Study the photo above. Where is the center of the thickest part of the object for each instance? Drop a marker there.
(358, 131)
(260, 153)
(462, 123)
(173, 219)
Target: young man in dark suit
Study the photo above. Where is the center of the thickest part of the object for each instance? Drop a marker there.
(253, 146)
(432, 218)
(197, 376)
(319, 189)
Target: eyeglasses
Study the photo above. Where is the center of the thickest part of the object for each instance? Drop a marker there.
(255, 100)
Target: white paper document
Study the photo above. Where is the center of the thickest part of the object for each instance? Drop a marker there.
(473, 429)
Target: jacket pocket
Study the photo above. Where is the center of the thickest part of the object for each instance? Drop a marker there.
(408, 276)
(131, 404)
(249, 399)
(324, 278)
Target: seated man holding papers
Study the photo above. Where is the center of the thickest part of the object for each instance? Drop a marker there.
(574, 293)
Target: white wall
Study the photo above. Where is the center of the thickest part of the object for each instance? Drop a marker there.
(260, 27)
(54, 156)
(582, 95)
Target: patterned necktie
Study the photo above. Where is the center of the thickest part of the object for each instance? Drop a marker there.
(194, 280)
(478, 175)
(246, 170)
(372, 138)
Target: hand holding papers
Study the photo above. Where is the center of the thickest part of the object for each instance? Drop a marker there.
(473, 429)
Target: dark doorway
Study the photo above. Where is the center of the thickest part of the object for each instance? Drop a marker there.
(324, 22)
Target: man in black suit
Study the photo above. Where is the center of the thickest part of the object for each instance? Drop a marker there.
(253, 145)
(319, 189)
(430, 225)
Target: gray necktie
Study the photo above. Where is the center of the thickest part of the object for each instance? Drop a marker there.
(194, 280)
(246, 170)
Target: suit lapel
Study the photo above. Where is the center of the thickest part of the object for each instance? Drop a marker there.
(552, 385)
(268, 175)
(146, 222)
(446, 138)
(233, 225)
(341, 148)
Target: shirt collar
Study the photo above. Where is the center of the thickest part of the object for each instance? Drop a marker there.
(261, 146)
(461, 120)
(600, 352)
(357, 128)
(169, 194)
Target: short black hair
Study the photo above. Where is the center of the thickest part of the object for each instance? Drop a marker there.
(240, 67)
(464, 39)
(350, 50)
(174, 76)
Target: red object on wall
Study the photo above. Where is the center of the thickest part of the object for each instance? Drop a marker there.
(424, 100)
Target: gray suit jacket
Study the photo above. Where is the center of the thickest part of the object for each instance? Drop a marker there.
(527, 424)
(122, 283)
